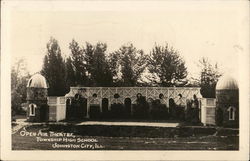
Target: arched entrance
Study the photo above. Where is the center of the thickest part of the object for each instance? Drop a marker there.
(128, 104)
(68, 109)
(83, 108)
(105, 106)
(44, 113)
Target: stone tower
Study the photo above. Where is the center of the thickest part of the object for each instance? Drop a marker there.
(37, 110)
(227, 102)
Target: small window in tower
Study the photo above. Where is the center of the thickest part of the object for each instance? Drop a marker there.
(231, 112)
(32, 109)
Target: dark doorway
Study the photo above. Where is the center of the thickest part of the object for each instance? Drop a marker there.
(105, 106)
(219, 117)
(127, 103)
(82, 108)
(44, 113)
(172, 108)
(68, 112)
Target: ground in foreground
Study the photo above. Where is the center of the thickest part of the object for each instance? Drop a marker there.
(101, 137)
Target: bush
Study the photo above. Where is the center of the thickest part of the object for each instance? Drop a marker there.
(141, 111)
(159, 111)
(94, 111)
(117, 110)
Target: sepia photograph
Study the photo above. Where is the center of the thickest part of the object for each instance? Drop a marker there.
(106, 76)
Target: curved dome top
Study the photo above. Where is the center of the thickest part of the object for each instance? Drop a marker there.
(226, 82)
(37, 81)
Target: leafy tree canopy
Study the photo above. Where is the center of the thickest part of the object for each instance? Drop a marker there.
(78, 64)
(208, 77)
(54, 69)
(165, 63)
(19, 79)
(130, 63)
(97, 64)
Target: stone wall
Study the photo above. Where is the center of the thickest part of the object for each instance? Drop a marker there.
(224, 100)
(38, 97)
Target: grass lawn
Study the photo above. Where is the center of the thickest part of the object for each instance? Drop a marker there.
(101, 137)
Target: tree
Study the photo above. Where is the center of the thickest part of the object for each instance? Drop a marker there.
(70, 74)
(166, 65)
(78, 63)
(97, 65)
(130, 62)
(54, 69)
(90, 65)
(19, 79)
(89, 60)
(113, 61)
(208, 77)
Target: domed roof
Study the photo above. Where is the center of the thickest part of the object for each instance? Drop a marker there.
(37, 81)
(226, 82)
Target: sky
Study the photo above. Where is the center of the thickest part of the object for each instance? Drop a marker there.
(195, 29)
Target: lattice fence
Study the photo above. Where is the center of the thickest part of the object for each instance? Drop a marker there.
(131, 92)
